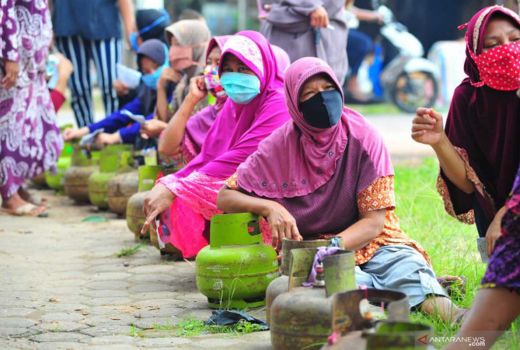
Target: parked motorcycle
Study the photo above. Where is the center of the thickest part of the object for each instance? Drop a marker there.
(408, 80)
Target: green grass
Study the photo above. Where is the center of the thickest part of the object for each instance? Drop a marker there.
(129, 251)
(192, 328)
(451, 245)
(376, 109)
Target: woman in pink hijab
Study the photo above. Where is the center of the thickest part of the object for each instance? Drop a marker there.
(186, 132)
(328, 173)
(186, 200)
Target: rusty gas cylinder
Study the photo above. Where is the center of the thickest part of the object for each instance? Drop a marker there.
(301, 317)
(135, 207)
(84, 164)
(355, 327)
(120, 188)
(280, 284)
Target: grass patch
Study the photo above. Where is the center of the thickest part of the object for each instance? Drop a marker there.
(451, 245)
(376, 109)
(129, 251)
(192, 328)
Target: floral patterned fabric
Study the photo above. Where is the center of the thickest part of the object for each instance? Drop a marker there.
(30, 141)
(379, 195)
(504, 265)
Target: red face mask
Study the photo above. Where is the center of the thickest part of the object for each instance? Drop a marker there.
(499, 68)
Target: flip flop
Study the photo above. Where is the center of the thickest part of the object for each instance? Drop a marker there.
(27, 209)
(454, 285)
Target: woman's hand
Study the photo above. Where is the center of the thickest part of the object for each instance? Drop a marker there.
(152, 128)
(12, 69)
(197, 89)
(168, 75)
(121, 88)
(282, 224)
(73, 133)
(319, 18)
(427, 127)
(494, 231)
(156, 202)
(104, 139)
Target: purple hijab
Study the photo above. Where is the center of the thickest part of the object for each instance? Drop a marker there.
(237, 131)
(486, 124)
(298, 159)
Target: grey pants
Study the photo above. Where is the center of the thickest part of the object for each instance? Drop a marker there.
(403, 269)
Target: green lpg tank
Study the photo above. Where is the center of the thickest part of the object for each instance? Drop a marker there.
(114, 159)
(56, 180)
(233, 272)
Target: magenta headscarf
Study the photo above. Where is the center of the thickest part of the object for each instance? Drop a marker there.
(238, 130)
(297, 158)
(486, 123)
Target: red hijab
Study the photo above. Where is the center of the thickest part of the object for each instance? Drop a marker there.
(486, 123)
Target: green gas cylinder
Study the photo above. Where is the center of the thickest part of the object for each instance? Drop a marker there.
(236, 268)
(83, 164)
(55, 180)
(114, 159)
(135, 207)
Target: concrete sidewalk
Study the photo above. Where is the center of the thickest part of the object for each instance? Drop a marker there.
(63, 287)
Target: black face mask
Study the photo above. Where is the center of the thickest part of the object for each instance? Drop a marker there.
(323, 110)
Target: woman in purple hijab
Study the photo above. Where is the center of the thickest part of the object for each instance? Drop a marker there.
(186, 200)
(479, 150)
(30, 141)
(327, 173)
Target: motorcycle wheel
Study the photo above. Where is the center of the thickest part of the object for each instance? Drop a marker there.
(413, 90)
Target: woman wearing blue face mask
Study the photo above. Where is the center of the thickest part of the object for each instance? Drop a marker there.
(118, 127)
(327, 173)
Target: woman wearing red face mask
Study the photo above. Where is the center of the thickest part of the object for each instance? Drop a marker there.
(479, 151)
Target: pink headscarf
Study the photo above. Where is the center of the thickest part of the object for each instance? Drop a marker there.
(238, 130)
(282, 58)
(297, 158)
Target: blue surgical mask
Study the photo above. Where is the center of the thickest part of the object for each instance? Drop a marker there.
(323, 110)
(241, 88)
(151, 79)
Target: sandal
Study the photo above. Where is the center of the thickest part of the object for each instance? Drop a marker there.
(27, 209)
(454, 285)
(31, 197)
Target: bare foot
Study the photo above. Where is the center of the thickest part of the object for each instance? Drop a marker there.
(15, 205)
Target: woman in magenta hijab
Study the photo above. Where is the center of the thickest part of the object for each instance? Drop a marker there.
(255, 107)
(328, 173)
(479, 150)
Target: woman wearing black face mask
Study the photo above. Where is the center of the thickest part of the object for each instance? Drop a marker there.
(327, 173)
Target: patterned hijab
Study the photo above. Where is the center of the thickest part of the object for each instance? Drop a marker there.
(236, 132)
